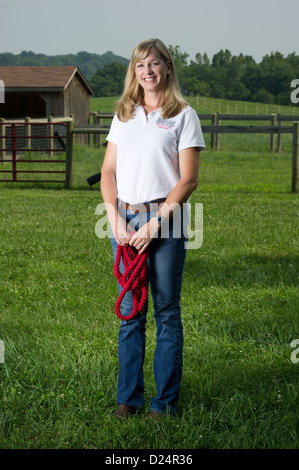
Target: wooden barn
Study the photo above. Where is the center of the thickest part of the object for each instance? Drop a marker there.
(39, 92)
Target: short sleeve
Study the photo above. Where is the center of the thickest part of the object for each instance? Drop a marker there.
(113, 132)
(191, 132)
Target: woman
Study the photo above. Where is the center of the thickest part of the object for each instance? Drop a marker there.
(150, 168)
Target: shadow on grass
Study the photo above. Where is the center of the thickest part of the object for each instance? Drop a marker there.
(246, 270)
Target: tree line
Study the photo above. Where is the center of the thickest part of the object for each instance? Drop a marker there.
(238, 77)
(87, 62)
(225, 76)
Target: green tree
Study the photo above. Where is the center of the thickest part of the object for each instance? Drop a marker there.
(221, 59)
(263, 96)
(225, 76)
(276, 74)
(109, 80)
(180, 58)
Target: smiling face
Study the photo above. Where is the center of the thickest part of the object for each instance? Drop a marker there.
(151, 73)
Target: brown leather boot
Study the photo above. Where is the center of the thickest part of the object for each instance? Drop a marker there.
(155, 416)
(123, 411)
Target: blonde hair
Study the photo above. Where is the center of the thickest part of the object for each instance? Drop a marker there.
(132, 95)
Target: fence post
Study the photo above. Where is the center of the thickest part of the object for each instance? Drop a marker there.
(51, 133)
(213, 136)
(96, 137)
(272, 136)
(28, 133)
(14, 152)
(69, 153)
(217, 135)
(88, 135)
(279, 137)
(99, 122)
(94, 122)
(2, 140)
(295, 164)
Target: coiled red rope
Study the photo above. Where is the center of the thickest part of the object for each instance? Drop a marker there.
(134, 279)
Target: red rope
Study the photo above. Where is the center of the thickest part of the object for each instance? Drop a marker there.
(134, 278)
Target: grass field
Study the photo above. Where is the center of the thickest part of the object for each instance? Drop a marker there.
(240, 142)
(210, 105)
(240, 308)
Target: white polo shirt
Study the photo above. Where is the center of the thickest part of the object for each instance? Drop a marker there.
(148, 149)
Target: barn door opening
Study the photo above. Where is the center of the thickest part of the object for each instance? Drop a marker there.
(19, 105)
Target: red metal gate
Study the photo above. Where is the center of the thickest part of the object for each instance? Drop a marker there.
(34, 142)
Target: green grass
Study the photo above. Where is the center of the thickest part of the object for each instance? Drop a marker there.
(233, 142)
(104, 105)
(214, 105)
(210, 105)
(240, 309)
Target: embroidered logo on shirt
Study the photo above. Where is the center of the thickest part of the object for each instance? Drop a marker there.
(165, 123)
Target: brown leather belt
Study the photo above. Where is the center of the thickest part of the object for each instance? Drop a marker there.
(143, 207)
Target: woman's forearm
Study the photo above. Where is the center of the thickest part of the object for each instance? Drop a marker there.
(109, 194)
(117, 223)
(180, 194)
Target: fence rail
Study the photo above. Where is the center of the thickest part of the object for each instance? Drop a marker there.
(16, 137)
(97, 129)
(218, 129)
(248, 129)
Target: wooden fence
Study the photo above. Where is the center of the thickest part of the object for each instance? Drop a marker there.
(52, 134)
(216, 120)
(37, 135)
(97, 129)
(97, 122)
(216, 129)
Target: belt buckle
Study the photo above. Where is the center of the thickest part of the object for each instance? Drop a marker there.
(130, 208)
(134, 208)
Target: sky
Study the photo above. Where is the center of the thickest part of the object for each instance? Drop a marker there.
(52, 27)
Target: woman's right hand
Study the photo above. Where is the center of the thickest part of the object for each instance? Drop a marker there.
(121, 235)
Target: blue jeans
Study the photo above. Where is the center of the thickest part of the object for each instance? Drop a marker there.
(165, 261)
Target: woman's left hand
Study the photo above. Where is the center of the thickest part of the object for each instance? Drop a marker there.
(143, 237)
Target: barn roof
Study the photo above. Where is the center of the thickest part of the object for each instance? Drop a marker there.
(41, 79)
